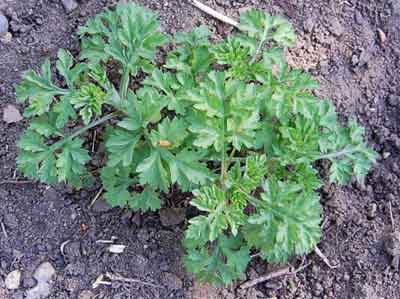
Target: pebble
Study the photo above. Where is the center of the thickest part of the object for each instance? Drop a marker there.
(42, 290)
(372, 211)
(11, 114)
(86, 295)
(3, 25)
(69, 5)
(336, 28)
(44, 272)
(13, 280)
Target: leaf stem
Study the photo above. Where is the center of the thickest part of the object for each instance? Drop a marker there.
(260, 45)
(124, 83)
(100, 121)
(336, 154)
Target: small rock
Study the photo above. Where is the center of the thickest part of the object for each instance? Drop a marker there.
(42, 290)
(3, 25)
(172, 281)
(86, 295)
(6, 39)
(172, 216)
(101, 206)
(11, 114)
(372, 211)
(44, 272)
(69, 5)
(382, 37)
(336, 28)
(13, 280)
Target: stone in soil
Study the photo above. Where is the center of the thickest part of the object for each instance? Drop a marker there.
(69, 5)
(42, 290)
(11, 114)
(3, 25)
(13, 280)
(86, 295)
(44, 272)
(335, 27)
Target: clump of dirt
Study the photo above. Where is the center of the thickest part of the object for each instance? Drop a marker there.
(339, 42)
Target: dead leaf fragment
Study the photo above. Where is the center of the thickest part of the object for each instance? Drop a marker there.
(11, 114)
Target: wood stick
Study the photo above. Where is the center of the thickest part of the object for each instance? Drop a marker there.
(214, 13)
(117, 277)
(253, 282)
(16, 182)
(324, 258)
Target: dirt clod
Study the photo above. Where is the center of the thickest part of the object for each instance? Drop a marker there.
(172, 216)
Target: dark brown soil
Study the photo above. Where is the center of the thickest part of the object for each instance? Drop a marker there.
(338, 43)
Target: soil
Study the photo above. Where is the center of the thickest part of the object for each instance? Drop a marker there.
(358, 68)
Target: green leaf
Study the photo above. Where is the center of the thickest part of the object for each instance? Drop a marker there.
(147, 200)
(45, 125)
(226, 262)
(116, 181)
(38, 88)
(89, 100)
(65, 67)
(153, 172)
(128, 35)
(260, 26)
(71, 161)
(188, 171)
(286, 222)
(170, 133)
(121, 146)
(221, 214)
(64, 111)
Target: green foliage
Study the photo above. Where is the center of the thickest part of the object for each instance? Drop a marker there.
(230, 122)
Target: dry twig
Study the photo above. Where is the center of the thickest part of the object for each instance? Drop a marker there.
(16, 182)
(214, 13)
(3, 228)
(324, 258)
(96, 197)
(391, 214)
(253, 282)
(117, 277)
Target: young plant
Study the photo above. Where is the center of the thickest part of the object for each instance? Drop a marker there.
(229, 122)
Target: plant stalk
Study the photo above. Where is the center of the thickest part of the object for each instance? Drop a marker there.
(100, 121)
(336, 154)
(260, 45)
(124, 84)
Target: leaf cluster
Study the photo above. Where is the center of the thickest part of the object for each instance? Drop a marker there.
(229, 122)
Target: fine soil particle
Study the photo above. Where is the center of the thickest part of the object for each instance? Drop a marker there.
(337, 42)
